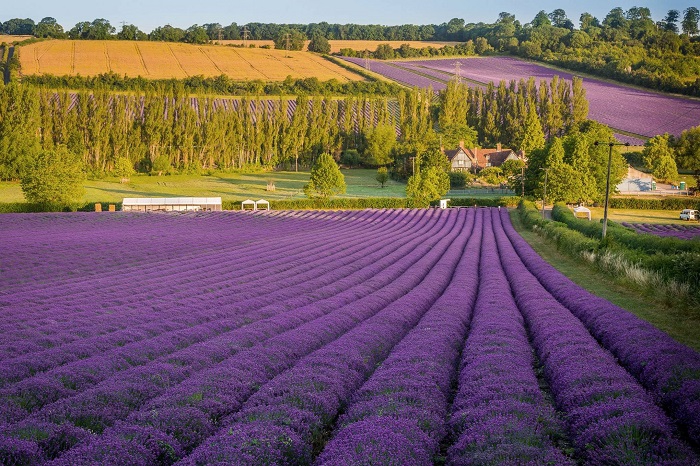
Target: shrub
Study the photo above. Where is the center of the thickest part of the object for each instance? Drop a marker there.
(55, 177)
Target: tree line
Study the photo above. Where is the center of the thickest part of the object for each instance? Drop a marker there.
(167, 127)
(170, 131)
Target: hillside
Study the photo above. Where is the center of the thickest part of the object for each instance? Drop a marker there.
(164, 60)
(338, 45)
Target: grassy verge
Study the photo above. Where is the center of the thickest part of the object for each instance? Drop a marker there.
(678, 323)
(361, 183)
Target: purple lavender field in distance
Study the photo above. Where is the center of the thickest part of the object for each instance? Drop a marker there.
(326, 338)
(676, 231)
(621, 107)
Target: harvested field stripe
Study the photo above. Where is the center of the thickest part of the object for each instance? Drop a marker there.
(143, 62)
(72, 60)
(109, 66)
(176, 60)
(36, 59)
(324, 64)
(206, 54)
(251, 65)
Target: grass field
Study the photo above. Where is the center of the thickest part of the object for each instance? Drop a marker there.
(229, 186)
(638, 216)
(163, 60)
(337, 45)
(682, 326)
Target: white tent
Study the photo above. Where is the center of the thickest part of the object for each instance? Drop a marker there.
(169, 204)
(262, 202)
(249, 202)
(582, 210)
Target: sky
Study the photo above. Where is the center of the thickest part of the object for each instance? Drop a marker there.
(149, 14)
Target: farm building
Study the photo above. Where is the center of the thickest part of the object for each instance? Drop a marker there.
(475, 159)
(170, 204)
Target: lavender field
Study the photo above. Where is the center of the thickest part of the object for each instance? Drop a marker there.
(384, 337)
(621, 107)
(677, 231)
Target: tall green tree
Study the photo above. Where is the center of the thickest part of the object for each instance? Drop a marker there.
(19, 129)
(326, 179)
(688, 148)
(319, 44)
(689, 25)
(380, 140)
(655, 149)
(54, 177)
(427, 185)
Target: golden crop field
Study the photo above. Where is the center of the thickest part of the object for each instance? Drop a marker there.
(10, 39)
(162, 60)
(337, 45)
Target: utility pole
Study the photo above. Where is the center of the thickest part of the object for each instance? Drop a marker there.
(522, 181)
(544, 197)
(607, 182)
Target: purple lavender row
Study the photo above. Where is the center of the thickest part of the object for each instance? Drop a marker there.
(175, 239)
(68, 380)
(299, 405)
(184, 291)
(191, 409)
(398, 74)
(499, 414)
(122, 319)
(136, 240)
(398, 415)
(185, 359)
(300, 289)
(669, 370)
(678, 231)
(611, 419)
(237, 293)
(133, 239)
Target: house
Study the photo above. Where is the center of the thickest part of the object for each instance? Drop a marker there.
(475, 159)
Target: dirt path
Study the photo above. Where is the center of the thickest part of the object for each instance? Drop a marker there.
(10, 54)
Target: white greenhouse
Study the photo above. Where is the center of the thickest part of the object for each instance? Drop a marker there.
(170, 204)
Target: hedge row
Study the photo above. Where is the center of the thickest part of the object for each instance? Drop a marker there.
(290, 204)
(675, 260)
(649, 244)
(668, 203)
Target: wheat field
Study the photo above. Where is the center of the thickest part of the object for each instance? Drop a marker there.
(164, 60)
(9, 39)
(338, 45)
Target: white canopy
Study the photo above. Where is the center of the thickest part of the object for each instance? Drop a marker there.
(582, 210)
(171, 203)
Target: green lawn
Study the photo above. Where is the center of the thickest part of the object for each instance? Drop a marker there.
(638, 216)
(229, 186)
(682, 325)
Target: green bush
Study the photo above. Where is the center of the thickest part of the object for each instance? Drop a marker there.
(338, 203)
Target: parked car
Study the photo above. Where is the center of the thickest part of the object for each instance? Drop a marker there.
(689, 214)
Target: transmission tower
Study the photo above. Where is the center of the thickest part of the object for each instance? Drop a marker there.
(458, 75)
(246, 32)
(287, 41)
(367, 62)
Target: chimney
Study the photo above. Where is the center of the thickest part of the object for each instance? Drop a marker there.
(498, 147)
(461, 145)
